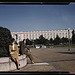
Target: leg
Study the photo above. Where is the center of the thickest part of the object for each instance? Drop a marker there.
(17, 61)
(26, 56)
(13, 59)
(30, 56)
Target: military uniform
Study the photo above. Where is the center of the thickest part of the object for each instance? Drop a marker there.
(25, 49)
(13, 52)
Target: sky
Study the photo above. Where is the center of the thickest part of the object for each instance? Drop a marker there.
(23, 18)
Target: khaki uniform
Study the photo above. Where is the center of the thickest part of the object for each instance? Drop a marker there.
(25, 49)
(13, 53)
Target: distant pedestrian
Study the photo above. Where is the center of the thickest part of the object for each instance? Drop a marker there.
(13, 49)
(25, 51)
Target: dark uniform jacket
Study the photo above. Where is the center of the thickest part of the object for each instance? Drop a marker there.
(24, 48)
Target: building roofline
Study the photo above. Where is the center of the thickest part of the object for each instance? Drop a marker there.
(42, 31)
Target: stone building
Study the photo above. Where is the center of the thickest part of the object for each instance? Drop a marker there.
(32, 35)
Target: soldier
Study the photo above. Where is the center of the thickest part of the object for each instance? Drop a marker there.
(13, 49)
(25, 49)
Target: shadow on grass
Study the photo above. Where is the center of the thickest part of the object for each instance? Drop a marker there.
(67, 52)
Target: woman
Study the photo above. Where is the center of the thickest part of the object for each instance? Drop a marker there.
(13, 49)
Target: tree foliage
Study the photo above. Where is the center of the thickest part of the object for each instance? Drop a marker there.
(57, 40)
(73, 39)
(28, 42)
(64, 40)
(5, 40)
(51, 41)
(41, 40)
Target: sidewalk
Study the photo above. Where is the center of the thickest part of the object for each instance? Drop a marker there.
(58, 59)
(37, 67)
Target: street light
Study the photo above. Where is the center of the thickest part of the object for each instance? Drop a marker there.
(69, 49)
(16, 37)
(33, 43)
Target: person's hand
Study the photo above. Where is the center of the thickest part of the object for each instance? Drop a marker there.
(30, 50)
(23, 54)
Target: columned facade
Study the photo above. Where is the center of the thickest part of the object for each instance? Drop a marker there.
(35, 34)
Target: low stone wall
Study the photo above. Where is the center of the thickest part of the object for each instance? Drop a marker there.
(7, 64)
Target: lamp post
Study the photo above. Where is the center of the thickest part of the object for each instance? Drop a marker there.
(33, 43)
(16, 37)
(69, 49)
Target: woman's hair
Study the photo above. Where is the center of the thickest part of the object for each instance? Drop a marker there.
(24, 40)
(12, 40)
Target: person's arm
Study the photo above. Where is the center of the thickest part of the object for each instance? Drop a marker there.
(10, 50)
(28, 48)
(22, 48)
(16, 49)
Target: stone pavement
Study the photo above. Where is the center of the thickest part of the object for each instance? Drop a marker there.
(37, 67)
(58, 59)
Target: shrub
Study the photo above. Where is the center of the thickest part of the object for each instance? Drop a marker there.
(5, 40)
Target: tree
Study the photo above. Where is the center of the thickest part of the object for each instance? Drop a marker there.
(51, 41)
(57, 40)
(5, 40)
(28, 42)
(47, 42)
(73, 39)
(41, 40)
(64, 40)
(37, 41)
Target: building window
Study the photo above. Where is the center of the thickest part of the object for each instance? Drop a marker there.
(63, 34)
(24, 36)
(54, 35)
(66, 35)
(60, 35)
(27, 35)
(57, 33)
(33, 36)
(30, 36)
(45, 35)
(48, 35)
(19, 38)
(51, 35)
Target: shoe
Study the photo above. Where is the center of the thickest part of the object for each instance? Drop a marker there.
(18, 68)
(32, 62)
(19, 64)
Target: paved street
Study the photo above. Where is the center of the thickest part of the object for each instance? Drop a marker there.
(58, 59)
